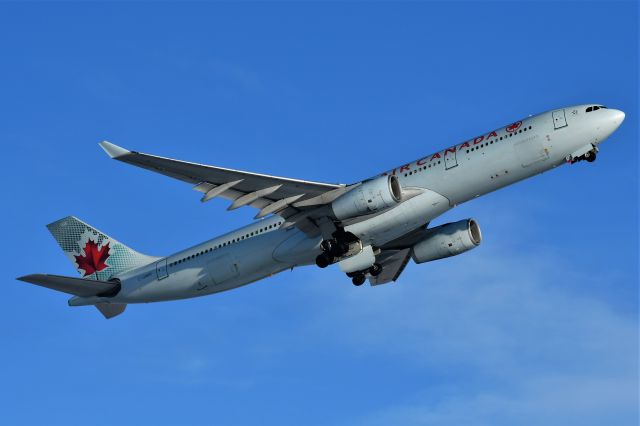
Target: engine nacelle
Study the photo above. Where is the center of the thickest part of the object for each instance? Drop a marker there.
(372, 196)
(447, 240)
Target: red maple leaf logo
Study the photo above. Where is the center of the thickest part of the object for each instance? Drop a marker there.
(513, 127)
(94, 258)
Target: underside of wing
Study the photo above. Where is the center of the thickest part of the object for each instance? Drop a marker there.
(269, 194)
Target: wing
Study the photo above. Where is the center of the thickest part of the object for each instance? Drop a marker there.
(270, 194)
(393, 263)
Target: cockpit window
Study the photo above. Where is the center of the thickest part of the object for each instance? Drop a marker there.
(595, 108)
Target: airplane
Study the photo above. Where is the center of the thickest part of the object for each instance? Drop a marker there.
(370, 229)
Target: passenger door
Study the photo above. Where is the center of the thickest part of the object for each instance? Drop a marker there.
(161, 269)
(559, 119)
(450, 158)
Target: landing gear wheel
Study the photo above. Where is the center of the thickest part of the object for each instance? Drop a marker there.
(323, 260)
(358, 279)
(326, 246)
(339, 249)
(375, 270)
(590, 157)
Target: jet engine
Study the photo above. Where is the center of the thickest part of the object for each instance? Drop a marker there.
(447, 240)
(371, 196)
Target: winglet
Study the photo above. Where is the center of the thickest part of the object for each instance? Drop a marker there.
(114, 151)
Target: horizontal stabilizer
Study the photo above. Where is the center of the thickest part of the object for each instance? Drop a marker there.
(76, 286)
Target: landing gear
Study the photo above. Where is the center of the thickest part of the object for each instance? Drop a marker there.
(326, 246)
(358, 279)
(337, 248)
(588, 156)
(343, 244)
(375, 270)
(323, 260)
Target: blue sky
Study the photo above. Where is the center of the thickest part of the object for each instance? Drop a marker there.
(537, 326)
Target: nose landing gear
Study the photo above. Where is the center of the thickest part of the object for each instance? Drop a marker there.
(589, 156)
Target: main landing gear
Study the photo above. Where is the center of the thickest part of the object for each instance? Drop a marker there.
(341, 246)
(358, 278)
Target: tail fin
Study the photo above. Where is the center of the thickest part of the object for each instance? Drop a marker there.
(94, 254)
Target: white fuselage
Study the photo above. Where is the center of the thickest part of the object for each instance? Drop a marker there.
(442, 180)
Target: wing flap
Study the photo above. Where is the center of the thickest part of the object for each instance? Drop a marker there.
(393, 263)
(211, 191)
(76, 286)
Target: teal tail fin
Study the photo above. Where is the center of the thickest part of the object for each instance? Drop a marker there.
(94, 254)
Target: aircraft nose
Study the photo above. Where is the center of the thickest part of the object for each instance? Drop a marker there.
(618, 117)
(611, 121)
